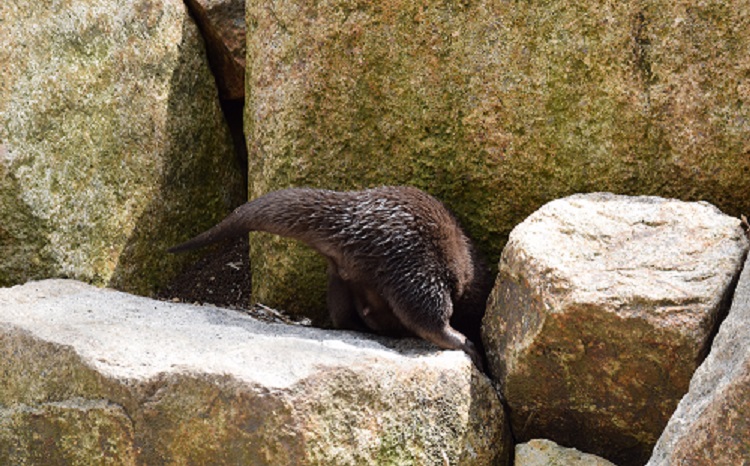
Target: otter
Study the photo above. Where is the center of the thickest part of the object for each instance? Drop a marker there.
(399, 264)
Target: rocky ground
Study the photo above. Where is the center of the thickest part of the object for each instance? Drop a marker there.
(222, 277)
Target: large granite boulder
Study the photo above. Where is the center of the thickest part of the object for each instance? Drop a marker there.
(494, 107)
(112, 142)
(95, 376)
(712, 422)
(603, 307)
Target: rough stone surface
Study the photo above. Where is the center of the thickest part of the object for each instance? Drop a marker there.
(222, 23)
(604, 306)
(540, 452)
(712, 422)
(163, 383)
(495, 107)
(112, 141)
(90, 432)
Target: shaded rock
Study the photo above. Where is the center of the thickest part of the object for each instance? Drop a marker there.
(112, 141)
(603, 307)
(547, 453)
(493, 107)
(201, 385)
(712, 422)
(223, 25)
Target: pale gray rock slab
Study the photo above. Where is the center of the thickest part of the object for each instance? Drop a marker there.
(540, 452)
(604, 306)
(130, 337)
(183, 383)
(711, 425)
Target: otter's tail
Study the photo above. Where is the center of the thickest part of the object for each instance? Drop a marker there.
(233, 226)
(277, 212)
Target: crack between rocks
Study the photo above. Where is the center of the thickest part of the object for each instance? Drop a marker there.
(641, 49)
(232, 110)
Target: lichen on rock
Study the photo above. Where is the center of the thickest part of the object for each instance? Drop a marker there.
(112, 140)
(494, 107)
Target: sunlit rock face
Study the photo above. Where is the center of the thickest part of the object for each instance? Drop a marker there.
(94, 375)
(603, 307)
(112, 141)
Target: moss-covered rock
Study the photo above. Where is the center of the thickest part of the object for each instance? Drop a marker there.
(112, 142)
(72, 432)
(494, 107)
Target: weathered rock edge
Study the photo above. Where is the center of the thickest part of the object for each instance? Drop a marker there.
(100, 376)
(711, 425)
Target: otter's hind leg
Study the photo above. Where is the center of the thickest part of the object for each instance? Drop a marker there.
(342, 305)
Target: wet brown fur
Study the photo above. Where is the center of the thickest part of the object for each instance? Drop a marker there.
(398, 262)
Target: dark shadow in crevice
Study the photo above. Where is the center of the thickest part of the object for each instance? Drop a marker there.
(221, 277)
(233, 114)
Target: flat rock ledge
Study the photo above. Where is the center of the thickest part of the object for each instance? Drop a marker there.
(96, 376)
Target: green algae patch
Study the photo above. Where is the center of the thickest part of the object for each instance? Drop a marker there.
(494, 107)
(55, 410)
(214, 420)
(23, 247)
(106, 111)
(75, 432)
